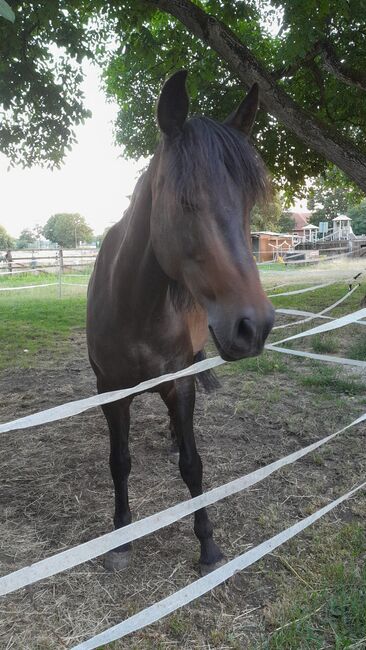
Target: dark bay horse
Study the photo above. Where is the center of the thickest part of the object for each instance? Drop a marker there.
(178, 266)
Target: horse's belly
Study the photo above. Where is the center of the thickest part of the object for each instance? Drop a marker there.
(198, 328)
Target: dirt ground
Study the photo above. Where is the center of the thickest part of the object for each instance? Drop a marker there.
(56, 492)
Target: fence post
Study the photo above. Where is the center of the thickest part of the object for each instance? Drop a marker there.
(59, 274)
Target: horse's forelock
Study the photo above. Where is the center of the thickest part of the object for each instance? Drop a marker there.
(202, 151)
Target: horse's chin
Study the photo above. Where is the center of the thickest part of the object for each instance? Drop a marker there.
(233, 353)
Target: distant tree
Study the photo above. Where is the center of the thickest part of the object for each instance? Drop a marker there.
(99, 238)
(6, 241)
(67, 230)
(358, 216)
(330, 196)
(26, 237)
(267, 216)
(327, 202)
(38, 231)
(286, 223)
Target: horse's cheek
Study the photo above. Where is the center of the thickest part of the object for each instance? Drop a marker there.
(167, 253)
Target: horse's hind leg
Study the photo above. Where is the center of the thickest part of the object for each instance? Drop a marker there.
(118, 417)
(167, 391)
(174, 449)
(180, 400)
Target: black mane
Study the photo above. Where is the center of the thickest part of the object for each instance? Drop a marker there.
(204, 151)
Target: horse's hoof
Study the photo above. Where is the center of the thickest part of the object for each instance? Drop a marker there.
(117, 560)
(205, 569)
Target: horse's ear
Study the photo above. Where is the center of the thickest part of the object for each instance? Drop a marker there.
(243, 117)
(173, 104)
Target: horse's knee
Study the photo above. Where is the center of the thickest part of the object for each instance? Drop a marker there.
(190, 468)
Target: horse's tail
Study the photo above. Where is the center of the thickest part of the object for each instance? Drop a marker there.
(208, 378)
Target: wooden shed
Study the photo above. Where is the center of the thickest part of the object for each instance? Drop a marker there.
(269, 246)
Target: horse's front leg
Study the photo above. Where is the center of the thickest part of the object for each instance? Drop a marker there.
(180, 400)
(118, 417)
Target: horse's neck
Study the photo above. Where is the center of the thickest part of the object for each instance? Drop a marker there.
(136, 221)
(141, 274)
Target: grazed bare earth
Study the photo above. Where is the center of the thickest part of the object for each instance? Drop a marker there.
(56, 492)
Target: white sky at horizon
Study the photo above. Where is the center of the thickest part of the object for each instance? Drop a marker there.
(94, 180)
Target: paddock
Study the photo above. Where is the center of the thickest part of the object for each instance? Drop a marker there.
(57, 491)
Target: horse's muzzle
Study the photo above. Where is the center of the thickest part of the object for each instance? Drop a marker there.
(244, 335)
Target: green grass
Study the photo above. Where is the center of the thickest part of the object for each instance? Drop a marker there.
(27, 279)
(317, 300)
(327, 607)
(327, 378)
(36, 325)
(358, 348)
(272, 266)
(265, 364)
(324, 343)
(35, 320)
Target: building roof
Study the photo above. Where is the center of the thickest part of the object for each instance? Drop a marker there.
(301, 219)
(310, 227)
(342, 217)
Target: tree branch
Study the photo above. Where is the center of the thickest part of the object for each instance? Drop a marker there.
(314, 133)
(290, 70)
(342, 71)
(330, 63)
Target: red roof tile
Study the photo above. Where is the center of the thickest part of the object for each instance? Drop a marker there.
(301, 218)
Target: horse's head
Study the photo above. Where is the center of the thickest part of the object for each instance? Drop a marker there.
(206, 178)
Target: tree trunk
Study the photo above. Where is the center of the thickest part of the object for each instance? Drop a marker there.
(314, 133)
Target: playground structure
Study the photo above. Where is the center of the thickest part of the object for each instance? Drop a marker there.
(309, 243)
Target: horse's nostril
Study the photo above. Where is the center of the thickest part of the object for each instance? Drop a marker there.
(246, 329)
(253, 330)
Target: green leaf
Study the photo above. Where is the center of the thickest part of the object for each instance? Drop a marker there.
(6, 11)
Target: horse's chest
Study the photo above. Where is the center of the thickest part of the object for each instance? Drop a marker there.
(198, 328)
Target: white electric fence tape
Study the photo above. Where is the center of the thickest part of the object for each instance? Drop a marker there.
(95, 547)
(327, 327)
(319, 260)
(200, 587)
(73, 284)
(79, 406)
(301, 312)
(34, 269)
(31, 286)
(329, 358)
(310, 261)
(292, 293)
(320, 313)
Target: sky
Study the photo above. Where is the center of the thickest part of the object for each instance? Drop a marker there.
(94, 180)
